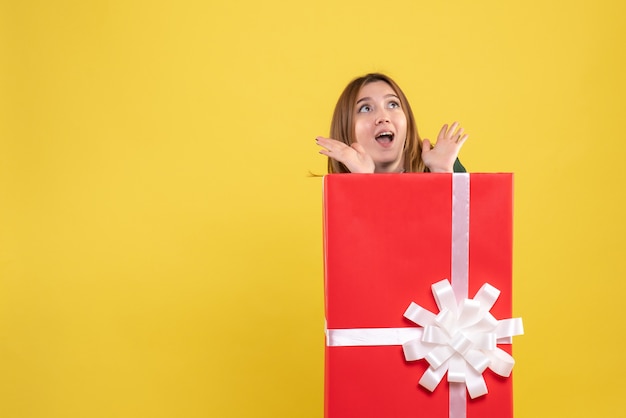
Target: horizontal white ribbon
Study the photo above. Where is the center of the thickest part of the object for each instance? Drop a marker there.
(355, 337)
(461, 340)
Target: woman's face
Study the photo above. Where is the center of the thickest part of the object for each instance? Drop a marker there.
(380, 126)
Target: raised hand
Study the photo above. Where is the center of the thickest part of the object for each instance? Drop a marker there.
(440, 157)
(353, 157)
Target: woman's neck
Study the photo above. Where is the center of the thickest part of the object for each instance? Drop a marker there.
(395, 167)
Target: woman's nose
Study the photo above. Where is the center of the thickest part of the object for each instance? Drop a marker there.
(381, 117)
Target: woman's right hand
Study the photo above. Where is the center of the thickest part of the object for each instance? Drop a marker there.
(353, 157)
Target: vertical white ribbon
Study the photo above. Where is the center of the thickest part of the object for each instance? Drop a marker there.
(459, 271)
(460, 234)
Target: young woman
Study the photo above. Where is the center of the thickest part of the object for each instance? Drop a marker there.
(373, 130)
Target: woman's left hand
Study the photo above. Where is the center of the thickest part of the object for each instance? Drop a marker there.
(440, 157)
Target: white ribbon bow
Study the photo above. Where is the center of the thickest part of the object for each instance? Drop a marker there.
(461, 340)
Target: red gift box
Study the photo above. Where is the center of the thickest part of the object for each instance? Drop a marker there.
(387, 239)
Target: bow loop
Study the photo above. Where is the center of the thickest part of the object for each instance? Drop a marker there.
(444, 296)
(419, 315)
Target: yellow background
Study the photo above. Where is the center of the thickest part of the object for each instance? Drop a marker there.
(161, 243)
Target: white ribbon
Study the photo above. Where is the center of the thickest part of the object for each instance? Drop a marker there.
(370, 336)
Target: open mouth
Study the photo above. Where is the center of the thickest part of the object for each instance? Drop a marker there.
(384, 138)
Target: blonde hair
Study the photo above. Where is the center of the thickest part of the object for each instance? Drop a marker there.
(342, 124)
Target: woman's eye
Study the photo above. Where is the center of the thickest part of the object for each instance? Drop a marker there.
(393, 105)
(365, 108)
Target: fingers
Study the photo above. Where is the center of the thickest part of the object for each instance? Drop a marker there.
(336, 150)
(426, 146)
(323, 142)
(443, 132)
(330, 145)
(453, 133)
(453, 128)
